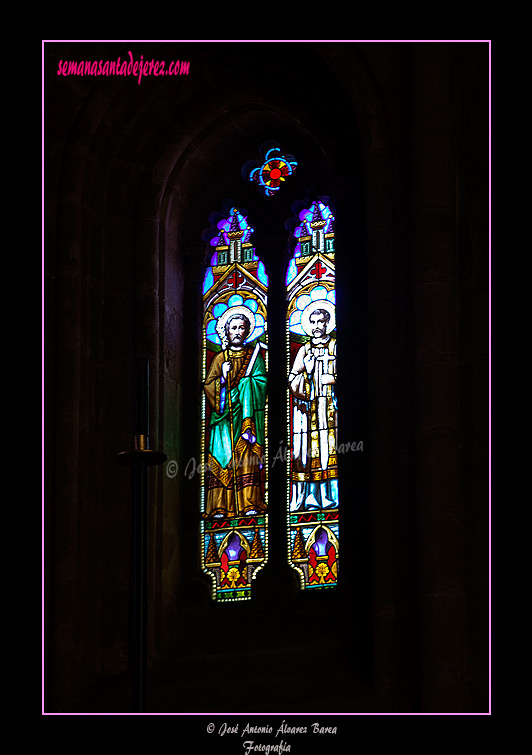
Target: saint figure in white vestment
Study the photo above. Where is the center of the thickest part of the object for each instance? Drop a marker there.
(314, 420)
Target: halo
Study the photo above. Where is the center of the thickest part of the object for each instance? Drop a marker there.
(312, 307)
(230, 312)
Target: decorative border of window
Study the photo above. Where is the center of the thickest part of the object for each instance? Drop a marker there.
(271, 173)
(234, 498)
(312, 480)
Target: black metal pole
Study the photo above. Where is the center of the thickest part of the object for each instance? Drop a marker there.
(140, 458)
(140, 588)
(140, 552)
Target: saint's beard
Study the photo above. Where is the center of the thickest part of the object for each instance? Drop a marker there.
(236, 340)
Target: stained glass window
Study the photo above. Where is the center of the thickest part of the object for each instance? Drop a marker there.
(235, 365)
(271, 173)
(313, 513)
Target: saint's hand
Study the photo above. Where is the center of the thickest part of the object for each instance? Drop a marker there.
(328, 379)
(226, 366)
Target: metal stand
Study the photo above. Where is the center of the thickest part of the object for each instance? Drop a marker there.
(139, 459)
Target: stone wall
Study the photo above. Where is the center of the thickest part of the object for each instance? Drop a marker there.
(397, 135)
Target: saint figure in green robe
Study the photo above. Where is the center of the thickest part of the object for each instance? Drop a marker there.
(235, 388)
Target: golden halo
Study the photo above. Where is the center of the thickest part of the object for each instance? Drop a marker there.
(238, 310)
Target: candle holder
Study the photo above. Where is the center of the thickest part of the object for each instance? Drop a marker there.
(141, 452)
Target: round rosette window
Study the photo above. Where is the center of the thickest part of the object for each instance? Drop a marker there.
(273, 172)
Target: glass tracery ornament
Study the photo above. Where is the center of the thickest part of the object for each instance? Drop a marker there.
(273, 172)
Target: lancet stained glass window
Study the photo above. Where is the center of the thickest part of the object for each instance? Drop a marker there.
(313, 513)
(235, 365)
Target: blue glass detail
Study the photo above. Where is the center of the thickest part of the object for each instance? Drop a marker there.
(291, 272)
(261, 273)
(252, 304)
(208, 281)
(235, 301)
(219, 309)
(210, 332)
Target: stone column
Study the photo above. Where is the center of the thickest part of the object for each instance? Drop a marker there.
(440, 632)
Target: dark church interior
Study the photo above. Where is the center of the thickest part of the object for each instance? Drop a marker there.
(396, 136)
